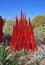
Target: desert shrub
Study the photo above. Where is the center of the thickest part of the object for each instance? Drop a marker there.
(39, 33)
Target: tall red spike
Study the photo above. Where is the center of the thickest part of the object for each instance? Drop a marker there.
(21, 15)
(25, 21)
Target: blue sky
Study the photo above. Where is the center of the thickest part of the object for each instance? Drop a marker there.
(10, 8)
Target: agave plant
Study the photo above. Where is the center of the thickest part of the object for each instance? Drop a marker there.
(4, 59)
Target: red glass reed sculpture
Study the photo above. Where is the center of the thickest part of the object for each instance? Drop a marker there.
(2, 38)
(23, 35)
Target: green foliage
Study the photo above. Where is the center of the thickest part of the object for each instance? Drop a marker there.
(39, 28)
(8, 28)
(4, 59)
(39, 20)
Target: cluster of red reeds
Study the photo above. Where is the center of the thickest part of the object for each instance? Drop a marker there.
(2, 38)
(23, 35)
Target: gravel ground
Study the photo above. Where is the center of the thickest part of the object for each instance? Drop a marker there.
(29, 57)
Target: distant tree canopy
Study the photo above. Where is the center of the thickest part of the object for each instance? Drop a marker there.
(39, 20)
